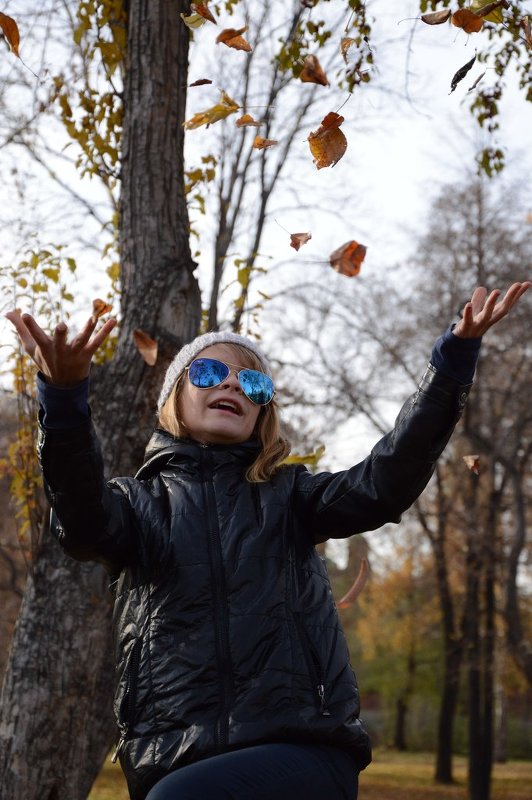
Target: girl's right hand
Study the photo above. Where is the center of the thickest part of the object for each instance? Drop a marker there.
(62, 363)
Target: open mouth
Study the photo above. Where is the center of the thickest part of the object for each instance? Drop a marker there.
(227, 405)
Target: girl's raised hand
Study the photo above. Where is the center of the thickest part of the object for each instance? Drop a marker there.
(63, 363)
(482, 311)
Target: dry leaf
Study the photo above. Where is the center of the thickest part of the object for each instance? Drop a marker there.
(476, 82)
(247, 120)
(347, 259)
(297, 240)
(490, 11)
(99, 308)
(462, 72)
(232, 38)
(467, 20)
(437, 17)
(312, 72)
(11, 33)
(328, 143)
(473, 463)
(345, 44)
(193, 21)
(202, 10)
(221, 110)
(200, 82)
(259, 143)
(525, 24)
(360, 581)
(146, 346)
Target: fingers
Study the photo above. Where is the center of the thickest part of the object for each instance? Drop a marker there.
(511, 297)
(25, 336)
(102, 334)
(478, 299)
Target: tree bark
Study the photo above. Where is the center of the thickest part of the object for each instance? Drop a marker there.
(55, 720)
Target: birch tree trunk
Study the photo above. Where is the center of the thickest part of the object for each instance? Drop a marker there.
(55, 719)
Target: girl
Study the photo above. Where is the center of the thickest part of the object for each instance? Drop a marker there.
(233, 675)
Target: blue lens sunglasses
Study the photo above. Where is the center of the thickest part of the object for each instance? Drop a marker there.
(205, 373)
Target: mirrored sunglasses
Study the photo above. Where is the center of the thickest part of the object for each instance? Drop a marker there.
(205, 373)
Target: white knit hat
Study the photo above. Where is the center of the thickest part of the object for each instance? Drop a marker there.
(189, 352)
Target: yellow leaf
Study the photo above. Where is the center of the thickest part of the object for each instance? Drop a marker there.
(193, 21)
(489, 10)
(247, 119)
(221, 110)
(259, 143)
(307, 458)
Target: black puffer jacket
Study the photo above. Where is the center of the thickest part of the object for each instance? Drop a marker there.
(226, 630)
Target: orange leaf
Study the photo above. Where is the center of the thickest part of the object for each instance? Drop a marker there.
(473, 463)
(437, 17)
(360, 581)
(312, 72)
(328, 143)
(260, 143)
(200, 82)
(345, 44)
(297, 240)
(247, 119)
(99, 308)
(467, 20)
(146, 346)
(10, 32)
(232, 38)
(203, 11)
(347, 259)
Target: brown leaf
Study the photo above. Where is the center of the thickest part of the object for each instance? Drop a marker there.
(146, 346)
(247, 120)
(203, 11)
(360, 581)
(232, 38)
(99, 308)
(312, 72)
(473, 463)
(348, 258)
(525, 24)
(462, 72)
(328, 144)
(11, 33)
(200, 82)
(437, 17)
(259, 143)
(345, 44)
(297, 240)
(488, 8)
(467, 20)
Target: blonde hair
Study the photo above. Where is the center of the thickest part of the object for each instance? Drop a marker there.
(274, 447)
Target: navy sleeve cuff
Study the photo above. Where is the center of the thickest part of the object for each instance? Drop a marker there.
(63, 407)
(455, 356)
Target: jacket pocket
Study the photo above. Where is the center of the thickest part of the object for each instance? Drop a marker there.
(129, 700)
(314, 665)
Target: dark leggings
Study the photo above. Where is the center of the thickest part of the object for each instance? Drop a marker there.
(265, 772)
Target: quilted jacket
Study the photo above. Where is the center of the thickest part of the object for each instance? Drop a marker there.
(226, 630)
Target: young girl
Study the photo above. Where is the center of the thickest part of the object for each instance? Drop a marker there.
(233, 671)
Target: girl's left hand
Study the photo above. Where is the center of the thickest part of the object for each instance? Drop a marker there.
(482, 311)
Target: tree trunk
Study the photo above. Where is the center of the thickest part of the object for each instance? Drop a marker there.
(55, 721)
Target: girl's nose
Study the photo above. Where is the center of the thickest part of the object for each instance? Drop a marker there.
(231, 382)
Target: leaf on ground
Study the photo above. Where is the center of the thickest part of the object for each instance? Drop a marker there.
(203, 11)
(247, 120)
(221, 110)
(473, 463)
(437, 17)
(232, 37)
(10, 32)
(297, 240)
(351, 596)
(146, 346)
(489, 10)
(260, 143)
(99, 308)
(312, 72)
(193, 21)
(200, 82)
(328, 144)
(348, 258)
(345, 45)
(467, 20)
(462, 72)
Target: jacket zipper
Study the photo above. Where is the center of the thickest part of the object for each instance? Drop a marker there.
(314, 666)
(130, 696)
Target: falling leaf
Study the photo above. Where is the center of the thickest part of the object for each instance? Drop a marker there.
(490, 11)
(476, 82)
(360, 581)
(232, 38)
(297, 240)
(11, 33)
(437, 17)
(146, 346)
(308, 458)
(312, 72)
(247, 120)
(328, 143)
(473, 463)
(99, 308)
(525, 24)
(462, 72)
(201, 8)
(259, 143)
(348, 258)
(193, 21)
(345, 44)
(467, 20)
(200, 82)
(221, 110)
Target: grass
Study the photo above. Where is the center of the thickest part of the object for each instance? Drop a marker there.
(391, 776)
